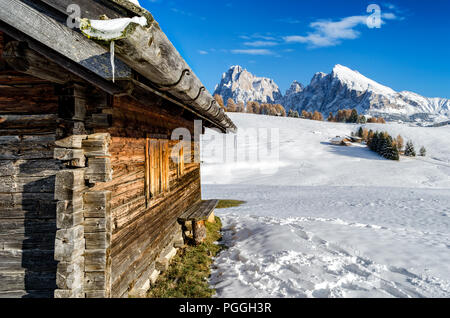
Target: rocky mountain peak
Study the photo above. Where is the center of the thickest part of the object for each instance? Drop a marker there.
(241, 85)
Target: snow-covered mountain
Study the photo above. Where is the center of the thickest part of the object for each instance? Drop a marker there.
(241, 85)
(346, 88)
(342, 88)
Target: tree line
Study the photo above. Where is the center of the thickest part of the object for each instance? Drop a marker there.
(342, 116)
(388, 146)
(352, 116)
(251, 107)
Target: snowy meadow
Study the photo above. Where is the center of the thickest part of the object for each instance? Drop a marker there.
(322, 220)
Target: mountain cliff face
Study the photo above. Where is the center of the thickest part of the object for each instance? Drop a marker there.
(240, 85)
(345, 88)
(342, 88)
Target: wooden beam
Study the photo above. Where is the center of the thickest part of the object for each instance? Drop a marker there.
(142, 92)
(22, 59)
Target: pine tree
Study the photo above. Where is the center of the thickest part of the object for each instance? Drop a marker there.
(353, 116)
(374, 141)
(331, 117)
(240, 107)
(423, 151)
(409, 150)
(360, 132)
(362, 119)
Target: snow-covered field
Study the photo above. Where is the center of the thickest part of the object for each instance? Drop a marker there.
(331, 221)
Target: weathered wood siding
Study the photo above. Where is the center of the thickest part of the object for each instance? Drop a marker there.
(28, 112)
(122, 246)
(140, 232)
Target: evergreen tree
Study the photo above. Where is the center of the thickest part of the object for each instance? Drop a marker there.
(353, 116)
(362, 119)
(360, 132)
(409, 150)
(331, 117)
(423, 151)
(240, 107)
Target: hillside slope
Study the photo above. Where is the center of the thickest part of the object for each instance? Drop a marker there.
(330, 221)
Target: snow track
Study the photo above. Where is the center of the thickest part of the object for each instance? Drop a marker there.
(333, 221)
(314, 267)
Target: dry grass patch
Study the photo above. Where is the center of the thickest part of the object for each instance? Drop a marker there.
(187, 276)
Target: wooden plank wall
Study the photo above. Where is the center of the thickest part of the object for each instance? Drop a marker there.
(139, 233)
(28, 112)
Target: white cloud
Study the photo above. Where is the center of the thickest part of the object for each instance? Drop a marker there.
(261, 43)
(202, 52)
(331, 33)
(254, 52)
(389, 16)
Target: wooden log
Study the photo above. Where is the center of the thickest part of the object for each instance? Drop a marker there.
(69, 293)
(95, 261)
(69, 184)
(94, 225)
(26, 147)
(97, 241)
(97, 145)
(27, 280)
(31, 99)
(29, 168)
(24, 60)
(96, 294)
(69, 220)
(15, 184)
(28, 121)
(96, 204)
(94, 281)
(70, 275)
(69, 244)
(34, 227)
(72, 141)
(71, 157)
(99, 170)
(199, 232)
(36, 259)
(39, 294)
(22, 241)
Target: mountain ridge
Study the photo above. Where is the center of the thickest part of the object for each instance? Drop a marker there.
(341, 88)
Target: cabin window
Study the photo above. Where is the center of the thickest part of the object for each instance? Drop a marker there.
(157, 167)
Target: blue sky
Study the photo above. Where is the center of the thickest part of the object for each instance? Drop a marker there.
(291, 40)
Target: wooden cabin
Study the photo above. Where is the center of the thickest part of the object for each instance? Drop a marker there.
(341, 141)
(90, 194)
